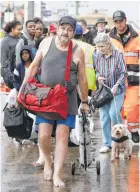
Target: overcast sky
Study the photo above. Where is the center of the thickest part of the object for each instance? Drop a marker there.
(131, 8)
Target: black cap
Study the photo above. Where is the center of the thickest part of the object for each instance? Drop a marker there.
(101, 20)
(68, 20)
(118, 16)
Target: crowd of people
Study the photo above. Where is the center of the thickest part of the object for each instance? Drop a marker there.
(100, 56)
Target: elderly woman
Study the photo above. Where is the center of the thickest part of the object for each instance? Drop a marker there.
(110, 70)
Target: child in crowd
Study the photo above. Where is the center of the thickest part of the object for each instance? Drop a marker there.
(19, 71)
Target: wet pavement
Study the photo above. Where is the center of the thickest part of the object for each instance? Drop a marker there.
(18, 174)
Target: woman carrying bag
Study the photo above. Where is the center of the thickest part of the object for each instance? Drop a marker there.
(111, 71)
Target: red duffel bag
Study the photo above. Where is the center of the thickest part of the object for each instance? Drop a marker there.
(47, 102)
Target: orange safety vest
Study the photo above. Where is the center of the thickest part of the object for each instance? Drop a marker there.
(131, 51)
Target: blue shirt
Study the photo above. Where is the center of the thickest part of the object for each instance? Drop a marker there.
(112, 68)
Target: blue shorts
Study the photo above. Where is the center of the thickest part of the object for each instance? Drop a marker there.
(69, 121)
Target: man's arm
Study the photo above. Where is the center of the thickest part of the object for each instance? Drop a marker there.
(82, 79)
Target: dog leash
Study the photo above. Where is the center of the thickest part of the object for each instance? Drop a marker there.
(116, 109)
(114, 104)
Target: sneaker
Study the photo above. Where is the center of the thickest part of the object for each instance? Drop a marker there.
(135, 137)
(105, 149)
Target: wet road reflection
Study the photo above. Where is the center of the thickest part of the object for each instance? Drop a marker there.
(18, 174)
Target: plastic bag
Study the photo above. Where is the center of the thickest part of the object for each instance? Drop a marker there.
(12, 97)
(73, 137)
(34, 135)
(77, 132)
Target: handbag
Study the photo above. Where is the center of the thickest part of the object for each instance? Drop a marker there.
(102, 96)
(17, 123)
(47, 102)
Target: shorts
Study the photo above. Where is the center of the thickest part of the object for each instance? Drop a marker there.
(69, 121)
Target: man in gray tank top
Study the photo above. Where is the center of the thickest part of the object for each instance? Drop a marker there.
(52, 60)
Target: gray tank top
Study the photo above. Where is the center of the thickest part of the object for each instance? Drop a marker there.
(53, 71)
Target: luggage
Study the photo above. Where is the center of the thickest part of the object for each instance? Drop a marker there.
(17, 123)
(85, 159)
(47, 102)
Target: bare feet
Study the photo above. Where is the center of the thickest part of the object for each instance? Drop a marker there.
(58, 182)
(38, 164)
(48, 170)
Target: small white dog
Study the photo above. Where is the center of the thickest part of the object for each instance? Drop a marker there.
(120, 141)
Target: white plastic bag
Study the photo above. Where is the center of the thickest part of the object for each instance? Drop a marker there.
(12, 97)
(33, 134)
(77, 132)
(73, 137)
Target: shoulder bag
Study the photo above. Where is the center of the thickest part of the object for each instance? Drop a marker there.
(47, 102)
(102, 96)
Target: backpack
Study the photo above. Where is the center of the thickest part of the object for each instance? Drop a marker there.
(8, 68)
(33, 49)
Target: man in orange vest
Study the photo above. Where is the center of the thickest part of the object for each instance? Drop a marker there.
(124, 37)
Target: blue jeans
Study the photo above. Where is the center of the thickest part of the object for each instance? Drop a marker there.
(108, 117)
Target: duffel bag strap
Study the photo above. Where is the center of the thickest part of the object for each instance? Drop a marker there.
(68, 64)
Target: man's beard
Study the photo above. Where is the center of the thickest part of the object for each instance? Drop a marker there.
(64, 39)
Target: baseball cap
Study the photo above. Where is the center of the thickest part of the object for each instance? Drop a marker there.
(68, 20)
(118, 16)
(52, 28)
(79, 30)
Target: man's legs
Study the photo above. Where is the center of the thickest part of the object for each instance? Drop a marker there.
(62, 133)
(40, 161)
(45, 131)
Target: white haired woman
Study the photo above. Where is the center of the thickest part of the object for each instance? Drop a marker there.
(110, 70)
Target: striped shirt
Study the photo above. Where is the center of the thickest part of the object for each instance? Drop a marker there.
(112, 68)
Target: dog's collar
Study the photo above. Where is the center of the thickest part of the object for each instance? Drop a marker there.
(120, 140)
